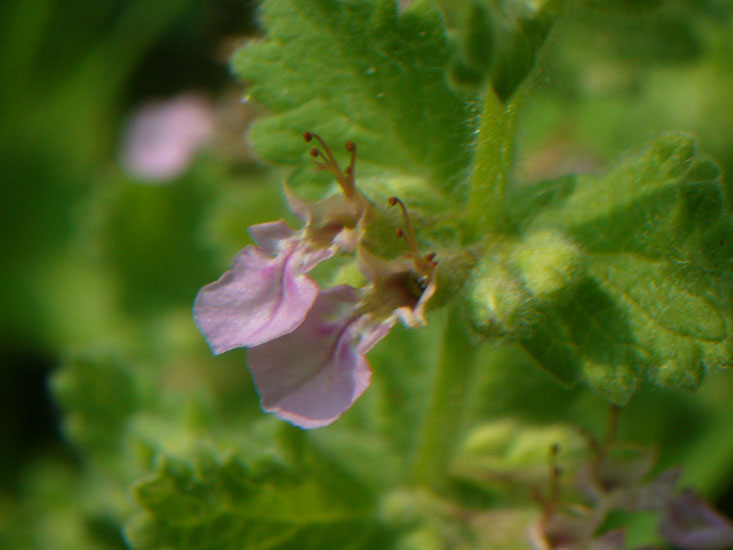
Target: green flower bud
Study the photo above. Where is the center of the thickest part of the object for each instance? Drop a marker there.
(513, 443)
(491, 438)
(401, 508)
(425, 538)
(519, 451)
(410, 507)
(512, 281)
(548, 263)
(499, 303)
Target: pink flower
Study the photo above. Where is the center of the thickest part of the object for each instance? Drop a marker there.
(308, 346)
(573, 529)
(617, 478)
(691, 523)
(313, 374)
(162, 137)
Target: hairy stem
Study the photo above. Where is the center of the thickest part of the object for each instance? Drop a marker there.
(443, 425)
(493, 160)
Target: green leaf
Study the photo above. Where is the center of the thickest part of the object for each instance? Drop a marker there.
(98, 395)
(521, 31)
(479, 39)
(223, 503)
(359, 70)
(657, 235)
(477, 45)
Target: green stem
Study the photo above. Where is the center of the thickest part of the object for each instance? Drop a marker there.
(443, 425)
(493, 160)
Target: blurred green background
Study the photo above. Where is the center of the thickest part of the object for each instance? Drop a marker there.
(96, 261)
(88, 250)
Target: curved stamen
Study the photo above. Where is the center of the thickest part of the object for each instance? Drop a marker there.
(345, 179)
(424, 264)
(410, 233)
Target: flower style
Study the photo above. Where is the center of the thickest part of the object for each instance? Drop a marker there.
(308, 346)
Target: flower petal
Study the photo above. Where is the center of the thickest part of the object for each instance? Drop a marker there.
(372, 332)
(312, 375)
(275, 237)
(272, 236)
(261, 298)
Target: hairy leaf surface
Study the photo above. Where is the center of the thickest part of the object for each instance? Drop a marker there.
(656, 231)
(359, 70)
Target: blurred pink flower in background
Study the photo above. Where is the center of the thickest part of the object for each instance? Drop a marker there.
(690, 523)
(162, 137)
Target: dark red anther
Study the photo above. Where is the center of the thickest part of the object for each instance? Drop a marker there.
(350, 145)
(307, 136)
(348, 171)
(314, 152)
(400, 233)
(392, 201)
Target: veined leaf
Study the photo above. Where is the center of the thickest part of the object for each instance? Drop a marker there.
(225, 504)
(657, 235)
(359, 70)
